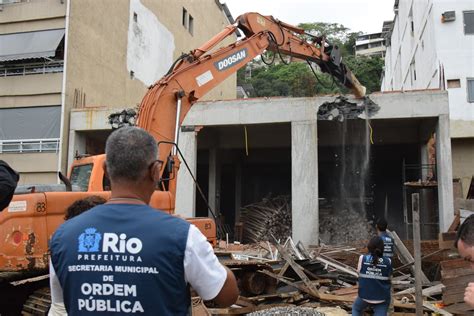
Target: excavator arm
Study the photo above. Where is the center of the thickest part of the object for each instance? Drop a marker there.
(167, 101)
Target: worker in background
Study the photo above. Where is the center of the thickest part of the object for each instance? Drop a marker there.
(465, 245)
(124, 256)
(75, 209)
(375, 272)
(8, 181)
(80, 206)
(387, 239)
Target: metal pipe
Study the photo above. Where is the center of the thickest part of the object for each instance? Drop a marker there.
(179, 96)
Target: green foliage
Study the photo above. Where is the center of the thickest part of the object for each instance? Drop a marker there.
(297, 79)
(367, 69)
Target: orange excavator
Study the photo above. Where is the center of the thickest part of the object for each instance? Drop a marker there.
(27, 224)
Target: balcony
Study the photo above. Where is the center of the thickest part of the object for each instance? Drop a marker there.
(47, 145)
(32, 69)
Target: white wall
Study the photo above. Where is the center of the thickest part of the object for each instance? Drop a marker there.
(456, 52)
(150, 45)
(431, 48)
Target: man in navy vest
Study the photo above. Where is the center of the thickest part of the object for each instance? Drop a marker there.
(465, 245)
(124, 257)
(387, 239)
(8, 181)
(375, 273)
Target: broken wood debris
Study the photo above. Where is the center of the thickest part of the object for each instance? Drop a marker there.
(316, 278)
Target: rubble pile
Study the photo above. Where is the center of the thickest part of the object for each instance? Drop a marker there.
(344, 227)
(288, 310)
(271, 216)
(342, 109)
(126, 117)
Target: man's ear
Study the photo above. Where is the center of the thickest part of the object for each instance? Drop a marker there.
(155, 171)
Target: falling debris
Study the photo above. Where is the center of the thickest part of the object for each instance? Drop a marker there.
(344, 227)
(123, 118)
(341, 109)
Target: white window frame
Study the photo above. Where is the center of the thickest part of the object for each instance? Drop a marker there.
(464, 21)
(467, 90)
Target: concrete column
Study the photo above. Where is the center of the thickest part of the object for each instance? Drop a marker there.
(186, 189)
(444, 169)
(214, 181)
(77, 144)
(304, 182)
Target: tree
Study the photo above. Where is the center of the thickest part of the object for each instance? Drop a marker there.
(297, 80)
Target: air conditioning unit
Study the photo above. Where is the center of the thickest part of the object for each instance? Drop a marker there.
(448, 16)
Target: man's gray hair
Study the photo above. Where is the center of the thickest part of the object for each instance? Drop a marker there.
(129, 153)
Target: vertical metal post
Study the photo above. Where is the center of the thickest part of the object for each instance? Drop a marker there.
(415, 207)
(179, 96)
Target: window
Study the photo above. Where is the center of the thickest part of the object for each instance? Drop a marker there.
(31, 129)
(185, 18)
(454, 83)
(470, 90)
(468, 22)
(80, 176)
(191, 25)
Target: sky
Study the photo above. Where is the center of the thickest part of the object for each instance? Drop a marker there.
(358, 15)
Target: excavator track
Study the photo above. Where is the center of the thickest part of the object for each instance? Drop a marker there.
(38, 303)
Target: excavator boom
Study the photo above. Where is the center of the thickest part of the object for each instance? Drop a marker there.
(166, 103)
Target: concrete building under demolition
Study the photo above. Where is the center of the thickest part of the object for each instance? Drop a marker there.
(247, 149)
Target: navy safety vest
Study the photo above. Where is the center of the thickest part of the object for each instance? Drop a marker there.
(387, 244)
(122, 259)
(374, 280)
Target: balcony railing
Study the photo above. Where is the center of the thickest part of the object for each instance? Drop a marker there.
(46, 145)
(32, 69)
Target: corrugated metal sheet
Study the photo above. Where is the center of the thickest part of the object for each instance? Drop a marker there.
(27, 45)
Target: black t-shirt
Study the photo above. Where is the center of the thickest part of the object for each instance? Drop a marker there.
(8, 181)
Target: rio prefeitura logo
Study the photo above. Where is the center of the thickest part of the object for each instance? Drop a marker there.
(89, 240)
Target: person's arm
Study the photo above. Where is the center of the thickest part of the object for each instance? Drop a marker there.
(469, 295)
(359, 264)
(208, 277)
(57, 301)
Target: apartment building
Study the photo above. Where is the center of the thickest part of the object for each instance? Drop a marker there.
(58, 57)
(431, 46)
(370, 45)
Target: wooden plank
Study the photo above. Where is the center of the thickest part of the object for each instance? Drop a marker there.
(430, 291)
(231, 310)
(460, 280)
(405, 255)
(455, 224)
(347, 290)
(275, 295)
(461, 309)
(338, 266)
(446, 240)
(297, 268)
(422, 258)
(415, 206)
(453, 264)
(435, 309)
(456, 273)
